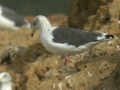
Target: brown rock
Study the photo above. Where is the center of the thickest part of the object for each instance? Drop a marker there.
(58, 20)
(33, 68)
(30, 19)
(95, 15)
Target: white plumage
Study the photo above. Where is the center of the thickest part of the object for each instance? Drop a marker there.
(9, 19)
(5, 81)
(66, 40)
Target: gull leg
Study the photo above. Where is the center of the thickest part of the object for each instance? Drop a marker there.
(67, 60)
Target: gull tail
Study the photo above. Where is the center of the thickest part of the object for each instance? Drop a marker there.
(105, 36)
(109, 37)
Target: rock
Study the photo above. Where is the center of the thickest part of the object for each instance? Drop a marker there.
(102, 15)
(30, 19)
(58, 20)
(33, 68)
(111, 82)
(10, 52)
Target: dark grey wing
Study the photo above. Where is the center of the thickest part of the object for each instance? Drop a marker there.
(74, 37)
(12, 15)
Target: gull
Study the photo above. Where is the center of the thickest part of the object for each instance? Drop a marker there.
(5, 81)
(65, 41)
(10, 20)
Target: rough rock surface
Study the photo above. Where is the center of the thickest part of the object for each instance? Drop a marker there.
(102, 15)
(58, 20)
(33, 68)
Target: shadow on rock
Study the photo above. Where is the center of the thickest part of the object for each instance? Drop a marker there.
(112, 82)
(18, 57)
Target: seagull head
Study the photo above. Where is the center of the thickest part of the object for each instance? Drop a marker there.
(5, 77)
(40, 22)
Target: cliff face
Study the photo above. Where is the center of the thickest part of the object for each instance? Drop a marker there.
(92, 15)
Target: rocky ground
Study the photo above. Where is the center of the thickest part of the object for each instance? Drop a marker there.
(33, 68)
(97, 15)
